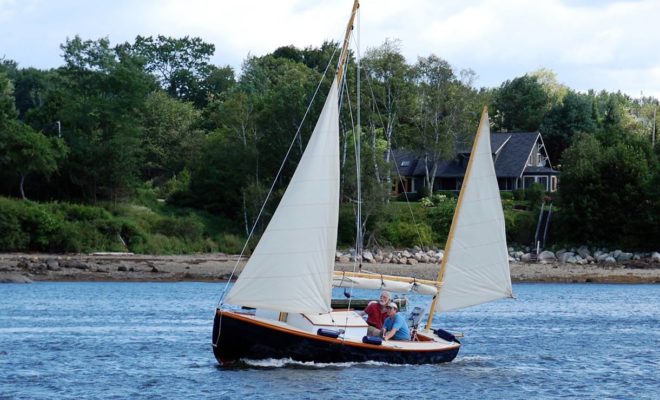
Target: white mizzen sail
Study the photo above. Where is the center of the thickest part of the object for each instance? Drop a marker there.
(476, 257)
(291, 268)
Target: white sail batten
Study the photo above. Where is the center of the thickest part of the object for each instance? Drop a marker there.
(477, 264)
(291, 267)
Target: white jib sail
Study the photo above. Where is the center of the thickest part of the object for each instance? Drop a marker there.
(291, 268)
(477, 263)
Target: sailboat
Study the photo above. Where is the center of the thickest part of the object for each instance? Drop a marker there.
(280, 305)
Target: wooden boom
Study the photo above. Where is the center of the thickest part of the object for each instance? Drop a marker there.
(405, 279)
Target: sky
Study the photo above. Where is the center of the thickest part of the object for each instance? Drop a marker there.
(602, 45)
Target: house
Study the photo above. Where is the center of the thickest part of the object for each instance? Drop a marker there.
(520, 160)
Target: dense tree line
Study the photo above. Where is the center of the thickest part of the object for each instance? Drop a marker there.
(156, 115)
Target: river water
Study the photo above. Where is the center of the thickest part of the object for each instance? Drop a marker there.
(152, 340)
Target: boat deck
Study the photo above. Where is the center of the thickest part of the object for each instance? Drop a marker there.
(427, 340)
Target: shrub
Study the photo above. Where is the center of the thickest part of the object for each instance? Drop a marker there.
(404, 234)
(13, 238)
(423, 192)
(534, 194)
(519, 194)
(185, 228)
(506, 195)
(520, 226)
(230, 244)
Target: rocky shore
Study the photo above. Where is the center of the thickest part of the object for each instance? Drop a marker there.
(25, 268)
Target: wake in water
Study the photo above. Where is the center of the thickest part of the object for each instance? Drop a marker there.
(272, 363)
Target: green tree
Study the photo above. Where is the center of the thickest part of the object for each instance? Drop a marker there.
(445, 113)
(7, 107)
(25, 152)
(389, 94)
(182, 66)
(171, 138)
(520, 105)
(565, 120)
(100, 105)
(603, 192)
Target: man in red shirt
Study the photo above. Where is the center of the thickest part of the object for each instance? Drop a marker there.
(376, 314)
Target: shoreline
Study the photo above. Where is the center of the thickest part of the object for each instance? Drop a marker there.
(217, 267)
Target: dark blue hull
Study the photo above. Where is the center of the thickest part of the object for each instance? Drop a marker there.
(236, 336)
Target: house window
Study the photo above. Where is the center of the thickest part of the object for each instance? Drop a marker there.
(405, 163)
(543, 180)
(528, 181)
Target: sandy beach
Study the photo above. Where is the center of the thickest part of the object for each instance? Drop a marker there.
(17, 267)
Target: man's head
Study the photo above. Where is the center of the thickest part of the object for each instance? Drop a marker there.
(391, 308)
(384, 298)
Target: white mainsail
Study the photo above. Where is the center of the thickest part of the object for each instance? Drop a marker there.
(291, 268)
(476, 258)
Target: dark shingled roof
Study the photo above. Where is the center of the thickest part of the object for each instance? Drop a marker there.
(511, 152)
(511, 160)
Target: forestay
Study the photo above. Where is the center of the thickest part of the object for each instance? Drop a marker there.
(291, 268)
(477, 261)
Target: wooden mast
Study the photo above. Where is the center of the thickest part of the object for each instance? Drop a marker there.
(454, 222)
(344, 50)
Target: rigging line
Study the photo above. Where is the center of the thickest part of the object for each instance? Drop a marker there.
(272, 186)
(345, 92)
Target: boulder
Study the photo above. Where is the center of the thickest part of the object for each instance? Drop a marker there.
(344, 259)
(38, 267)
(564, 257)
(603, 256)
(77, 264)
(546, 257)
(623, 256)
(368, 257)
(403, 260)
(655, 257)
(406, 254)
(14, 278)
(53, 264)
(583, 251)
(609, 260)
(526, 257)
(412, 261)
